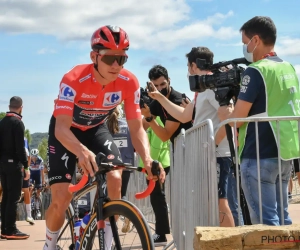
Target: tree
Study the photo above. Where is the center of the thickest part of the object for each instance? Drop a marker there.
(28, 136)
(2, 114)
(43, 147)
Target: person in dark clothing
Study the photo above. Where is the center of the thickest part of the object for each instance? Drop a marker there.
(12, 161)
(158, 75)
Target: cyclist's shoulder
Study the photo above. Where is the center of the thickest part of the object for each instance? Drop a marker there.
(78, 74)
(40, 159)
(126, 75)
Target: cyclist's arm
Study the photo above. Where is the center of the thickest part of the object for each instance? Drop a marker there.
(65, 136)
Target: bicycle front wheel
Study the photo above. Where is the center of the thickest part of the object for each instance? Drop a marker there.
(138, 237)
(66, 239)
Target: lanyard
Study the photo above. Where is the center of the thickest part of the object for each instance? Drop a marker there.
(15, 115)
(269, 54)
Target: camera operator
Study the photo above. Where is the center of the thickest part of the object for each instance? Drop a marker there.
(269, 87)
(206, 108)
(158, 75)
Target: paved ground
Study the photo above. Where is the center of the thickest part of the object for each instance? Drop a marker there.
(37, 238)
(37, 232)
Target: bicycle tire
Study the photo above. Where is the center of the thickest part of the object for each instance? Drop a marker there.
(39, 200)
(69, 225)
(116, 208)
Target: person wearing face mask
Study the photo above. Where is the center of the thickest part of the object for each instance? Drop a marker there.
(159, 78)
(158, 75)
(269, 87)
(205, 106)
(13, 159)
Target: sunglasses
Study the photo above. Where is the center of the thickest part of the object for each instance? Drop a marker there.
(110, 59)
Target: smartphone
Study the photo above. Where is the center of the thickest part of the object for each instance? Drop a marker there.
(149, 87)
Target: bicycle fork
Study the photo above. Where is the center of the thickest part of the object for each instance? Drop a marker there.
(102, 198)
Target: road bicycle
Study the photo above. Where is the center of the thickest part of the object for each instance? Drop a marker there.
(36, 204)
(116, 211)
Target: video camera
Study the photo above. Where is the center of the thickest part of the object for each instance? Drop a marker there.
(144, 98)
(224, 81)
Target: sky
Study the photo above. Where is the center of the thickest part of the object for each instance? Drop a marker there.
(40, 40)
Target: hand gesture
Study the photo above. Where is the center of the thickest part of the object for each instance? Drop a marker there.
(154, 94)
(86, 160)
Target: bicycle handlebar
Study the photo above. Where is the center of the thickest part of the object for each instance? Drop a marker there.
(109, 167)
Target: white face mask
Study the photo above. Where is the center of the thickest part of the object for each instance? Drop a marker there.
(248, 55)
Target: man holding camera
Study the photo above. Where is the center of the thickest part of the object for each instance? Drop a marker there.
(158, 75)
(206, 108)
(269, 87)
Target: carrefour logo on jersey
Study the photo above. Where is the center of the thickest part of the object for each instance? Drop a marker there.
(66, 93)
(112, 98)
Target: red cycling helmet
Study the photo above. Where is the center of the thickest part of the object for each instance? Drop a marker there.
(109, 37)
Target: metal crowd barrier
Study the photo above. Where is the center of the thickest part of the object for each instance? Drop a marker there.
(256, 120)
(194, 191)
(138, 183)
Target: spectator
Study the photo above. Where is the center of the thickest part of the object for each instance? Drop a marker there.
(12, 161)
(266, 78)
(206, 108)
(47, 190)
(25, 188)
(159, 151)
(158, 75)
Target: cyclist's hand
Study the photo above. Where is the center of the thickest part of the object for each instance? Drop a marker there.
(27, 174)
(86, 160)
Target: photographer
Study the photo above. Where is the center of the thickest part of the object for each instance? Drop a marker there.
(269, 87)
(158, 75)
(206, 108)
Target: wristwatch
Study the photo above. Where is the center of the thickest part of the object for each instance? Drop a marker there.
(149, 119)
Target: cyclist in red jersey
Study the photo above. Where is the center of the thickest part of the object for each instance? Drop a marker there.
(87, 95)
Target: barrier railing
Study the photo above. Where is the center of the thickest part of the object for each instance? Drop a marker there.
(277, 119)
(194, 191)
(136, 183)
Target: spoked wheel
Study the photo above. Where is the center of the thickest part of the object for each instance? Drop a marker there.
(130, 231)
(66, 239)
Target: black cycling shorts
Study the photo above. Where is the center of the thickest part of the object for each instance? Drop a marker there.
(25, 184)
(62, 162)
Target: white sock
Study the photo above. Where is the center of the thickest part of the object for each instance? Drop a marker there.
(108, 236)
(51, 238)
(28, 210)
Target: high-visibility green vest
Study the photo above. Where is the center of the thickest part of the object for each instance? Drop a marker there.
(159, 150)
(282, 99)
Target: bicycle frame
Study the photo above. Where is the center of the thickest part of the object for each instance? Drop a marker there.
(101, 198)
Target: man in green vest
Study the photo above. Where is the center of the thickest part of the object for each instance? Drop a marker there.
(269, 87)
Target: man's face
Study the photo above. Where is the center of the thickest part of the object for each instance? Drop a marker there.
(33, 157)
(161, 83)
(253, 44)
(110, 63)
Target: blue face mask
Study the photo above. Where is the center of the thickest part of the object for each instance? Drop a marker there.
(248, 55)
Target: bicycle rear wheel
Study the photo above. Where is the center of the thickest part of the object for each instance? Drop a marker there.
(139, 237)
